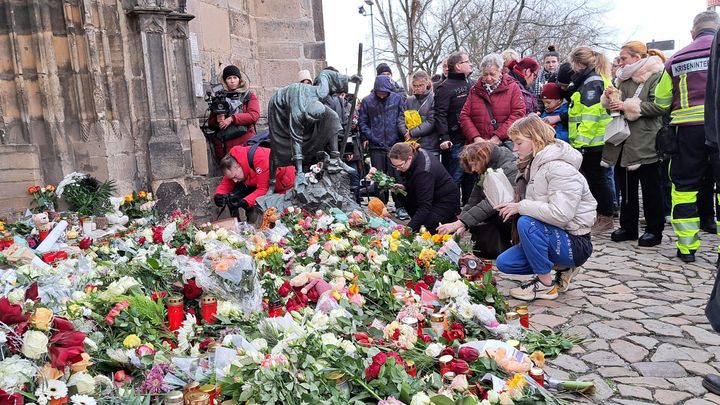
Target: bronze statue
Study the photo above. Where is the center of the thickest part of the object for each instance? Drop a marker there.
(302, 128)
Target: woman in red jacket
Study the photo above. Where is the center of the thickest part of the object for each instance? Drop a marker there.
(246, 177)
(494, 103)
(245, 112)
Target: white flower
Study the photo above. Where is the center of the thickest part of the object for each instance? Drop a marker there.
(55, 389)
(185, 333)
(147, 233)
(212, 235)
(451, 275)
(78, 399)
(320, 321)
(349, 347)
(84, 382)
(200, 237)
(118, 355)
(222, 233)
(16, 296)
(459, 383)
(493, 397)
(227, 309)
(118, 287)
(14, 372)
(434, 349)
(90, 344)
(3, 337)
(353, 234)
(466, 311)
(260, 344)
(34, 344)
(329, 339)
(420, 398)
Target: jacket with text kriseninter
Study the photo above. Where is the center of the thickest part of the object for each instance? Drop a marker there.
(259, 178)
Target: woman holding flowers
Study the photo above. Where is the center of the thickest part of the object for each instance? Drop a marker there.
(432, 197)
(556, 211)
(490, 234)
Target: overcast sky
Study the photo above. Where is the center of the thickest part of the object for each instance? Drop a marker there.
(643, 20)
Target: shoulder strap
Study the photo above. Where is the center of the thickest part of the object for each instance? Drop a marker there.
(251, 156)
(639, 89)
(493, 121)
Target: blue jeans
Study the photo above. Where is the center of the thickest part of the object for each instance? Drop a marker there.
(610, 174)
(541, 247)
(451, 161)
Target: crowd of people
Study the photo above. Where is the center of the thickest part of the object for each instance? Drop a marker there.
(577, 136)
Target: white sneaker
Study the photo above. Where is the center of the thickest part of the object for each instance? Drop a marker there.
(534, 289)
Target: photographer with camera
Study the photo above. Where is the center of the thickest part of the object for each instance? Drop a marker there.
(233, 113)
(246, 176)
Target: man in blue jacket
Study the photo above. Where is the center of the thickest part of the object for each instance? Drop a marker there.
(377, 118)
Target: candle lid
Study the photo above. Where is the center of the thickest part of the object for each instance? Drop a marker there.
(209, 299)
(175, 300)
(511, 316)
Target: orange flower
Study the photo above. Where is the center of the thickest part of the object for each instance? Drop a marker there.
(33, 189)
(128, 198)
(142, 194)
(83, 364)
(49, 372)
(50, 188)
(354, 289)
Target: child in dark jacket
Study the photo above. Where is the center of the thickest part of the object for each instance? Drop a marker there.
(556, 110)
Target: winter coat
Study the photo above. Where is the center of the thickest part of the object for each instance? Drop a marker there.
(557, 194)
(561, 128)
(450, 96)
(378, 117)
(259, 177)
(432, 195)
(247, 116)
(712, 95)
(643, 115)
(507, 106)
(530, 98)
(425, 132)
(478, 208)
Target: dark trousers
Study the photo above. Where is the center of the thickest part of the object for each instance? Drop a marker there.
(706, 198)
(491, 237)
(379, 160)
(596, 177)
(688, 168)
(649, 178)
(666, 185)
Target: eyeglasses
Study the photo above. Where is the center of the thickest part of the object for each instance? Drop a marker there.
(465, 61)
(400, 165)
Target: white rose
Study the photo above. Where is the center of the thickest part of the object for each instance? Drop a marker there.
(466, 311)
(212, 235)
(147, 233)
(359, 249)
(353, 234)
(84, 383)
(34, 344)
(320, 321)
(451, 275)
(434, 349)
(349, 347)
(200, 237)
(16, 296)
(329, 339)
(260, 344)
(222, 233)
(420, 398)
(493, 397)
(233, 239)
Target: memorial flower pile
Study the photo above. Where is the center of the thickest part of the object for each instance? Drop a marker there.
(321, 307)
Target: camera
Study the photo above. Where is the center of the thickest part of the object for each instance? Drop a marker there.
(232, 201)
(216, 98)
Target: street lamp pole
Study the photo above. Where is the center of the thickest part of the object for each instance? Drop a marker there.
(361, 10)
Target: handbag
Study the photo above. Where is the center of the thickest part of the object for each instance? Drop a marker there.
(618, 130)
(507, 143)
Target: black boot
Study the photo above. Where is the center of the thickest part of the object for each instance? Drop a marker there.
(686, 257)
(711, 382)
(708, 225)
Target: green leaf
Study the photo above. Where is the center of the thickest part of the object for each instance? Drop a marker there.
(441, 400)
(469, 401)
(153, 263)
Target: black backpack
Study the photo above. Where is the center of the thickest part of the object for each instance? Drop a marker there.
(259, 140)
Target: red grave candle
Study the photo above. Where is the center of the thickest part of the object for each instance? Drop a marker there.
(208, 306)
(176, 314)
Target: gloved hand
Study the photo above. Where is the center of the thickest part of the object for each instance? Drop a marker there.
(355, 79)
(244, 204)
(220, 199)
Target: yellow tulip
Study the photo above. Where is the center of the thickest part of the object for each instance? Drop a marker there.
(132, 341)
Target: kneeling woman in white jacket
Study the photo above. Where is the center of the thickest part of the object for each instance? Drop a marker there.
(556, 212)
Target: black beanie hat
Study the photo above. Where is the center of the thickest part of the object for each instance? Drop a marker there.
(231, 70)
(381, 68)
(565, 73)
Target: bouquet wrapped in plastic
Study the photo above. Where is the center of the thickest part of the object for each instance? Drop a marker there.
(497, 188)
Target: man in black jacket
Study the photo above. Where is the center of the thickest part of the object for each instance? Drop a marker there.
(450, 97)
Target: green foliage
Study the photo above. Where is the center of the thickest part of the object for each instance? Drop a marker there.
(89, 197)
(550, 342)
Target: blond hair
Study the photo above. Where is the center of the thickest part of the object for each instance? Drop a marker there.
(534, 129)
(584, 55)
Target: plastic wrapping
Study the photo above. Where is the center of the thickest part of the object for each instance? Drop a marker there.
(497, 188)
(226, 273)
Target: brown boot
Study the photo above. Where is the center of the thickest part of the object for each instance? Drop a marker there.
(603, 224)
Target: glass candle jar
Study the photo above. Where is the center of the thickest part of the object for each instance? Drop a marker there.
(176, 313)
(208, 307)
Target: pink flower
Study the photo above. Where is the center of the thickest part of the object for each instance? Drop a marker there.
(144, 350)
(390, 401)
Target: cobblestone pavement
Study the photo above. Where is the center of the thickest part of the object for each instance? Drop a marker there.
(642, 312)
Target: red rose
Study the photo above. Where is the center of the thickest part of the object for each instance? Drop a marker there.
(191, 291)
(380, 358)
(458, 366)
(453, 334)
(429, 279)
(119, 375)
(155, 296)
(181, 251)
(85, 243)
(456, 325)
(419, 286)
(32, 292)
(469, 354)
(398, 360)
(65, 348)
(205, 344)
(285, 289)
(141, 241)
(11, 314)
(158, 235)
(426, 338)
(448, 351)
(372, 371)
(313, 295)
